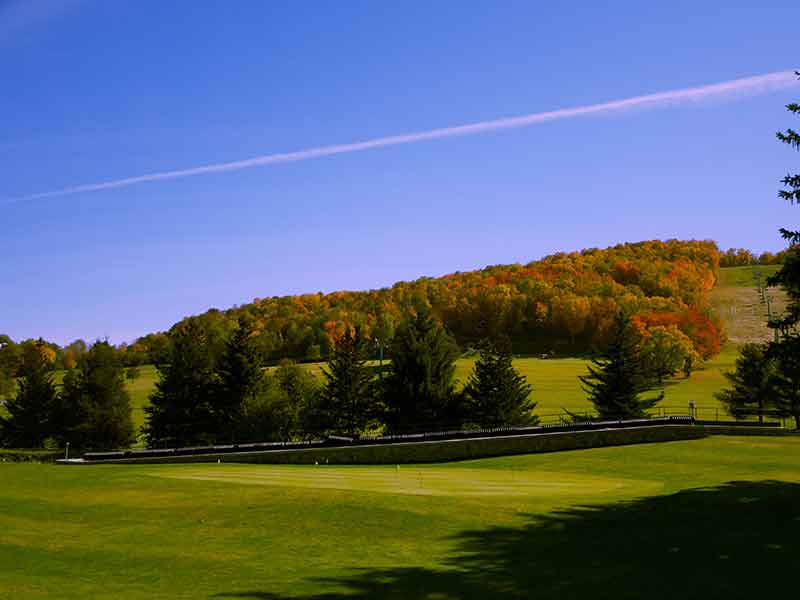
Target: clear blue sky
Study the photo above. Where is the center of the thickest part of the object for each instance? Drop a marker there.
(99, 90)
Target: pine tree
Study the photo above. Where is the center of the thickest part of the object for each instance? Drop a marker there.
(240, 377)
(496, 394)
(617, 379)
(419, 390)
(347, 400)
(180, 411)
(786, 351)
(787, 382)
(29, 422)
(752, 383)
(788, 277)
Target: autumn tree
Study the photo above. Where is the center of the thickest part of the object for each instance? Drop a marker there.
(95, 406)
(666, 350)
(347, 399)
(752, 383)
(29, 414)
(618, 378)
(495, 393)
(9, 361)
(418, 392)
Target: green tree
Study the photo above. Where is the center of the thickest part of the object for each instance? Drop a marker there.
(300, 392)
(788, 277)
(347, 399)
(419, 389)
(667, 350)
(29, 420)
(618, 378)
(239, 375)
(752, 383)
(495, 393)
(787, 382)
(95, 411)
(786, 351)
(180, 410)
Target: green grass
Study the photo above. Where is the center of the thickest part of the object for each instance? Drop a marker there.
(708, 518)
(743, 276)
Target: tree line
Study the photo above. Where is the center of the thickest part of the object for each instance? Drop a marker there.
(222, 393)
(231, 397)
(742, 257)
(90, 409)
(564, 303)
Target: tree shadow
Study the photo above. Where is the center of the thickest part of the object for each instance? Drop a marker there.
(738, 540)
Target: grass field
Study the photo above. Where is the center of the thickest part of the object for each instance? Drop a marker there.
(713, 518)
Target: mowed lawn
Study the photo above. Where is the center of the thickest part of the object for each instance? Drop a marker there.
(712, 518)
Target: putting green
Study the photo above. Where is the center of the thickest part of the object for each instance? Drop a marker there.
(426, 481)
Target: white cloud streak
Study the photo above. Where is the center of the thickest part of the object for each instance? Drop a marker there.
(749, 86)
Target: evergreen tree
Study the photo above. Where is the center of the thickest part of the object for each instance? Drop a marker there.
(180, 411)
(95, 411)
(347, 400)
(240, 377)
(752, 383)
(419, 390)
(786, 351)
(788, 277)
(496, 394)
(29, 420)
(787, 382)
(617, 379)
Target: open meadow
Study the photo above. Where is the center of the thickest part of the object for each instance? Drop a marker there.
(712, 518)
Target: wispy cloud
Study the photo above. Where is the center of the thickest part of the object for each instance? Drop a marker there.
(748, 86)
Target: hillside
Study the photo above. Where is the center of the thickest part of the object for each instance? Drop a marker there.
(737, 301)
(563, 303)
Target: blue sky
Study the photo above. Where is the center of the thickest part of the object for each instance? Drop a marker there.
(96, 91)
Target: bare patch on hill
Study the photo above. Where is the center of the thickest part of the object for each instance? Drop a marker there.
(742, 310)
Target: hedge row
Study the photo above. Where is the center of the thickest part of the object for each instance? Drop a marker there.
(22, 455)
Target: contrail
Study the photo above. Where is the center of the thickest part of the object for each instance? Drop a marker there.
(748, 86)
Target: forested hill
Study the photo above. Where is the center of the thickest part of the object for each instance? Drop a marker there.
(562, 303)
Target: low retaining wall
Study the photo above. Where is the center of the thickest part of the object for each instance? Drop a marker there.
(439, 451)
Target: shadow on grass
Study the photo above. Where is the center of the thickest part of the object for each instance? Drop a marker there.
(739, 540)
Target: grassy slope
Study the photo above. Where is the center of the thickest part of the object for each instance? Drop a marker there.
(512, 527)
(736, 300)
